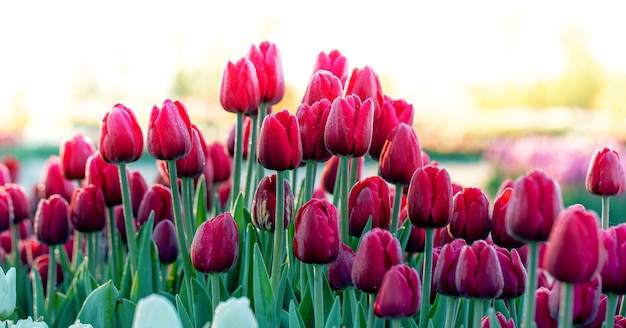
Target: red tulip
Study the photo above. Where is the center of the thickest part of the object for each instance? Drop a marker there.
(606, 176)
(87, 209)
(543, 317)
(138, 188)
(334, 62)
(478, 271)
(106, 177)
(280, 147)
(470, 219)
(391, 114)
(40, 263)
(230, 140)
(121, 139)
(348, 131)
(169, 131)
(13, 165)
(365, 84)
(513, 273)
(164, 237)
(586, 300)
(269, 71)
(369, 198)
(74, 153)
(430, 199)
(157, 199)
(264, 204)
(399, 294)
(340, 270)
(614, 268)
(499, 233)
(620, 321)
(401, 155)
(52, 221)
(444, 276)
(378, 251)
(53, 181)
(316, 239)
(442, 236)
(215, 246)
(21, 206)
(6, 210)
(239, 88)
(323, 85)
(502, 321)
(192, 165)
(222, 163)
(312, 120)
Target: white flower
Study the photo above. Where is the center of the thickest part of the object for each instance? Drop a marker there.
(7, 293)
(235, 312)
(155, 311)
(77, 324)
(29, 323)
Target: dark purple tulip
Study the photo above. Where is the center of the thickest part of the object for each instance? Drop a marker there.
(478, 271)
(430, 198)
(264, 204)
(88, 209)
(74, 153)
(164, 237)
(52, 225)
(157, 199)
(340, 271)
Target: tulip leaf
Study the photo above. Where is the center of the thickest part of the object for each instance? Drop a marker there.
(306, 305)
(247, 262)
(410, 322)
(39, 299)
(439, 309)
(264, 301)
(125, 311)
(143, 284)
(199, 201)
(368, 226)
(127, 279)
(286, 291)
(99, 307)
(501, 307)
(404, 233)
(334, 316)
(202, 303)
(182, 313)
(295, 320)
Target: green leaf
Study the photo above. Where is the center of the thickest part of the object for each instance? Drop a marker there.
(127, 279)
(295, 320)
(143, 281)
(306, 304)
(39, 299)
(203, 309)
(404, 233)
(334, 317)
(125, 311)
(182, 313)
(264, 302)
(410, 322)
(199, 202)
(99, 307)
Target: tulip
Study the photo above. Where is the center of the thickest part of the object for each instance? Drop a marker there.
(230, 140)
(5, 175)
(391, 114)
(215, 246)
(513, 273)
(470, 219)
(334, 62)
(312, 120)
(365, 84)
(6, 210)
(264, 204)
(340, 271)
(234, 312)
(74, 153)
(601, 315)
(542, 316)
(316, 237)
(430, 198)
(169, 131)
(87, 209)
(586, 300)
(502, 321)
(164, 236)
(478, 271)
(41, 263)
(614, 269)
(323, 85)
(444, 277)
(377, 253)
(401, 155)
(106, 177)
(157, 199)
(280, 147)
(51, 220)
(138, 188)
(499, 233)
(417, 236)
(13, 165)
(442, 236)
(29, 323)
(121, 139)
(605, 176)
(120, 223)
(369, 198)
(329, 173)
(155, 310)
(620, 321)
(53, 181)
(192, 165)
(348, 131)
(573, 252)
(239, 87)
(399, 293)
(269, 71)
(78, 324)
(8, 294)
(222, 163)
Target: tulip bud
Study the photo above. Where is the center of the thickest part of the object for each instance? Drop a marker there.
(118, 211)
(157, 199)
(442, 236)
(51, 220)
(605, 176)
(169, 131)
(316, 239)
(401, 155)
(470, 219)
(543, 318)
(41, 263)
(269, 71)
(222, 163)
(53, 181)
(478, 271)
(230, 140)
(586, 300)
(620, 321)
(502, 322)
(348, 131)
(573, 253)
(323, 85)
(378, 251)
(8, 294)
(78, 324)
(389, 117)
(106, 177)
(334, 62)
(192, 165)
(499, 234)
(533, 207)
(138, 188)
(6, 210)
(215, 246)
(365, 84)
(513, 273)
(444, 277)
(340, 271)
(430, 198)
(88, 209)
(234, 312)
(399, 294)
(614, 269)
(13, 165)
(164, 236)
(280, 147)
(121, 139)
(369, 198)
(239, 87)
(264, 204)
(155, 310)
(74, 153)
(29, 323)
(312, 120)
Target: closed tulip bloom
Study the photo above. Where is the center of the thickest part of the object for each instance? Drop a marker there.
(478, 271)
(369, 198)
(6, 210)
(269, 71)
(533, 207)
(401, 155)
(192, 165)
(280, 147)
(543, 317)
(215, 246)
(164, 237)
(121, 139)
(513, 273)
(348, 131)
(340, 270)
(138, 188)
(5, 176)
(74, 153)
(605, 176)
(312, 120)
(264, 204)
(430, 198)
(118, 212)
(323, 85)
(222, 163)
(239, 87)
(499, 233)
(614, 269)
(88, 209)
(234, 312)
(13, 165)
(158, 199)
(53, 181)
(316, 239)
(470, 218)
(8, 294)
(169, 131)
(378, 251)
(502, 321)
(41, 264)
(156, 310)
(230, 140)
(106, 177)
(365, 84)
(573, 253)
(333, 61)
(399, 294)
(19, 199)
(388, 117)
(52, 221)
(444, 276)
(586, 300)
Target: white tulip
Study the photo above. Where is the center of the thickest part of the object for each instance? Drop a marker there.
(234, 312)
(29, 323)
(7, 293)
(155, 311)
(77, 324)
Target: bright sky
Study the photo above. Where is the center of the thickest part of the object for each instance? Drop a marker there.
(421, 49)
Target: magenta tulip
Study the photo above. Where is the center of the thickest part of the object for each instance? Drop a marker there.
(239, 87)
(121, 139)
(279, 146)
(378, 251)
(74, 153)
(215, 246)
(605, 176)
(430, 198)
(316, 238)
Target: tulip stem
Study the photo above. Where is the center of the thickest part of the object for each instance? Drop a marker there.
(252, 162)
(277, 255)
(237, 163)
(611, 306)
(52, 277)
(451, 310)
(189, 222)
(566, 305)
(318, 272)
(478, 311)
(529, 294)
(426, 273)
(76, 258)
(371, 318)
(91, 253)
(396, 323)
(16, 249)
(113, 245)
(395, 215)
(128, 218)
(605, 212)
(260, 170)
(309, 180)
(354, 170)
(215, 291)
(343, 199)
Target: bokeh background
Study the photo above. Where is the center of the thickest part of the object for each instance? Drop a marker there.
(498, 87)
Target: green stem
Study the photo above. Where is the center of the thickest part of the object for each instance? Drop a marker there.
(354, 170)
(15, 247)
(478, 312)
(92, 245)
(529, 295)
(277, 255)
(187, 188)
(513, 310)
(395, 215)
(452, 310)
(128, 218)
(76, 251)
(52, 277)
(396, 323)
(113, 245)
(260, 170)
(353, 306)
(371, 318)
(611, 306)
(164, 274)
(566, 305)
(343, 199)
(215, 290)
(427, 276)
(238, 159)
(252, 162)
(605, 212)
(309, 180)
(318, 272)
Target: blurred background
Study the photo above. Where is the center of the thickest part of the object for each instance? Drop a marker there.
(498, 87)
